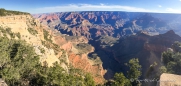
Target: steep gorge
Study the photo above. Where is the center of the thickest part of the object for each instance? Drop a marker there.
(120, 36)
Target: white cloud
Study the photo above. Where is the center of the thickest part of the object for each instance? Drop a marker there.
(171, 10)
(91, 7)
(101, 4)
(159, 6)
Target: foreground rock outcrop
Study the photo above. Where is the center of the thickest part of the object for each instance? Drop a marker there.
(2, 83)
(169, 80)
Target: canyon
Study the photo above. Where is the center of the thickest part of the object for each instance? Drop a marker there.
(97, 42)
(52, 46)
(120, 36)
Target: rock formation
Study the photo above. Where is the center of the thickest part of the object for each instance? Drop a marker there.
(116, 24)
(2, 83)
(118, 36)
(147, 49)
(169, 80)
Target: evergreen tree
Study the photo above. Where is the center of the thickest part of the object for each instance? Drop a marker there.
(134, 71)
(121, 80)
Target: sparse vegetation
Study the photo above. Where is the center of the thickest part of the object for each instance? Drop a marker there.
(46, 44)
(32, 31)
(83, 47)
(56, 48)
(51, 45)
(71, 38)
(42, 50)
(63, 54)
(107, 41)
(18, 35)
(4, 12)
(96, 59)
(151, 70)
(47, 37)
(33, 23)
(8, 31)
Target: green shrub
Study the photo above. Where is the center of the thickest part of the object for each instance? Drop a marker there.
(172, 60)
(121, 80)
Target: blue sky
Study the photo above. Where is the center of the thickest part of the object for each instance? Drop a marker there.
(46, 6)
